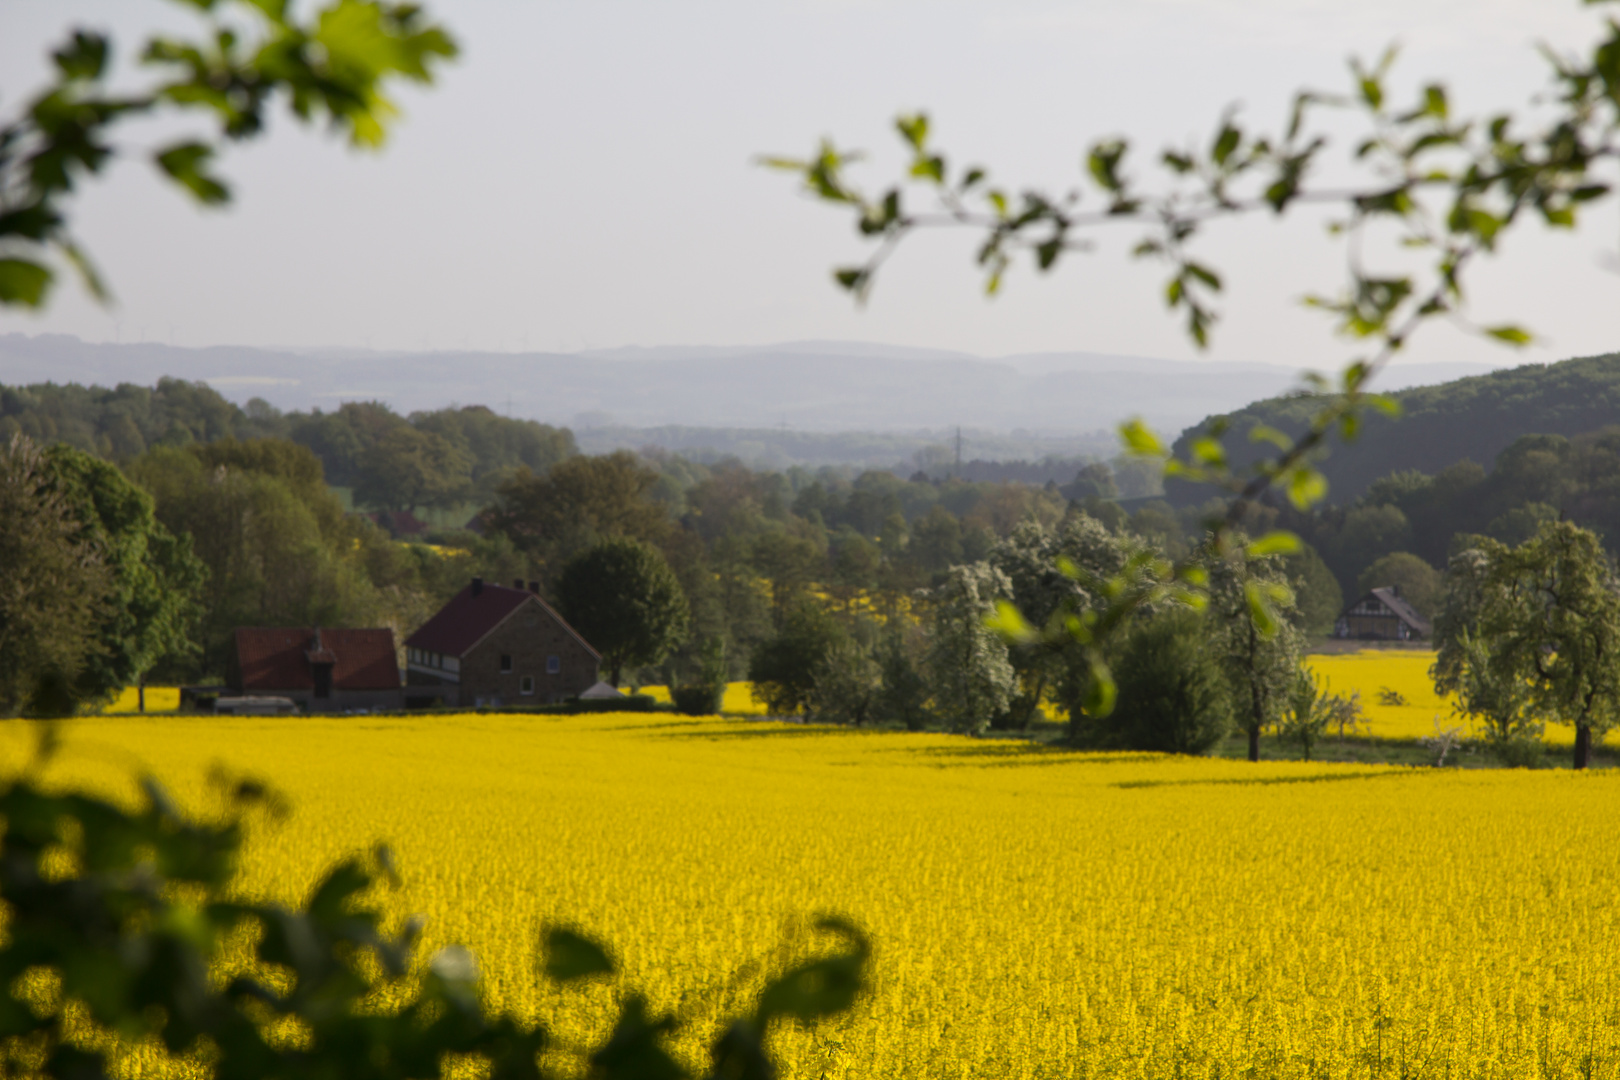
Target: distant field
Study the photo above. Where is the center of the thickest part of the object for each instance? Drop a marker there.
(1036, 913)
(1407, 673)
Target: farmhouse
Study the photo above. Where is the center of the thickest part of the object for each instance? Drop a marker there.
(1383, 616)
(491, 645)
(317, 669)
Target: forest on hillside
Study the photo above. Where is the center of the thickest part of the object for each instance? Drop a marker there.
(1471, 419)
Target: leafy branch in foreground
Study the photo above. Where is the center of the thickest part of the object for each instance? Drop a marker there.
(122, 927)
(335, 65)
(1448, 188)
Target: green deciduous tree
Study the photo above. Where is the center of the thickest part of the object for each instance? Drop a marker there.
(1495, 698)
(847, 685)
(1171, 695)
(903, 692)
(1255, 641)
(278, 548)
(1312, 708)
(54, 581)
(783, 668)
(407, 468)
(626, 601)
(972, 678)
(1317, 594)
(1041, 591)
(580, 502)
(155, 582)
(1541, 619)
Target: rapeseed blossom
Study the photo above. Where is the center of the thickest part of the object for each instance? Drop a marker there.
(1035, 912)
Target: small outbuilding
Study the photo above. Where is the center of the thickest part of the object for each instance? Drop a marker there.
(493, 646)
(1382, 615)
(318, 669)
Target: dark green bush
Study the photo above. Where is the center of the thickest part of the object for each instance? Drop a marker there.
(698, 699)
(1171, 697)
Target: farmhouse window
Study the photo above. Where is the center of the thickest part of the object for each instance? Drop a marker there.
(553, 665)
(506, 664)
(527, 685)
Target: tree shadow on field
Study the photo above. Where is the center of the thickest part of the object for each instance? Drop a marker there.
(770, 729)
(1257, 781)
(1009, 754)
(661, 725)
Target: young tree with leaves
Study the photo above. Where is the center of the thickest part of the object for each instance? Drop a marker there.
(1255, 640)
(972, 678)
(624, 599)
(153, 603)
(54, 582)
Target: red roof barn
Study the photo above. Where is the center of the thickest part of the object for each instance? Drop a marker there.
(318, 668)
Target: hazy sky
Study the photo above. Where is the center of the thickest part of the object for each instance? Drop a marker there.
(582, 177)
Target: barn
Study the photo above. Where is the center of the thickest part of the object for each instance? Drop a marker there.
(319, 669)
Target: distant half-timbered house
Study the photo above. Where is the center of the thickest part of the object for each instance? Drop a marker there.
(1382, 615)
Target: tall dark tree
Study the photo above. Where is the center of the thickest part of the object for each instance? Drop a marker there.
(54, 581)
(1172, 697)
(784, 667)
(408, 468)
(1255, 639)
(626, 601)
(154, 582)
(579, 503)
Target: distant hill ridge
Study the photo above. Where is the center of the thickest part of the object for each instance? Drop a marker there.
(806, 386)
(1475, 418)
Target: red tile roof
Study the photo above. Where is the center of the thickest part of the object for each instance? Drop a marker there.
(280, 658)
(467, 618)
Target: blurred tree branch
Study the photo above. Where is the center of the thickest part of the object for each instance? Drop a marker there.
(336, 65)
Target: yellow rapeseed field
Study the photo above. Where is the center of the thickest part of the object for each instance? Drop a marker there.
(1405, 671)
(1035, 913)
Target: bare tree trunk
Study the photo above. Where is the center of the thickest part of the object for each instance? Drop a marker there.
(1583, 745)
(1254, 743)
(140, 695)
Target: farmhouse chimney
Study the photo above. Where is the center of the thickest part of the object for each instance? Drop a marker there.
(478, 585)
(517, 583)
(534, 587)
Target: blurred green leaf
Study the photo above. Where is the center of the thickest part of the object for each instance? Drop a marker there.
(1139, 439)
(23, 283)
(1278, 542)
(1010, 623)
(1513, 335)
(1306, 487)
(1260, 609)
